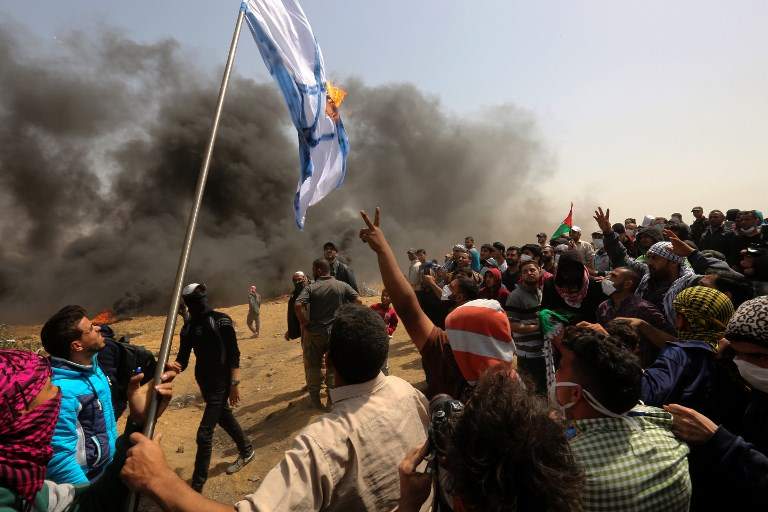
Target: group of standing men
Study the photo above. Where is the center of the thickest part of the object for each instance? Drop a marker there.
(311, 310)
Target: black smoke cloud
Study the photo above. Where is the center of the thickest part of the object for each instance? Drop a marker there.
(101, 139)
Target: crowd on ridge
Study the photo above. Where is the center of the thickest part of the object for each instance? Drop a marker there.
(625, 373)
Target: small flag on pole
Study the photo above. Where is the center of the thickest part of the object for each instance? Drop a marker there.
(565, 227)
(287, 45)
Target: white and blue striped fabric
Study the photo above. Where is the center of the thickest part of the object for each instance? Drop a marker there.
(289, 49)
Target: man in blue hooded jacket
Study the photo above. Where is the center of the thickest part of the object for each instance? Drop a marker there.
(86, 431)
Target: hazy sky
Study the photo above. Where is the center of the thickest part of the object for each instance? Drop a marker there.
(646, 107)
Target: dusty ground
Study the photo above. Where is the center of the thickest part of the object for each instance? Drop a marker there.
(273, 407)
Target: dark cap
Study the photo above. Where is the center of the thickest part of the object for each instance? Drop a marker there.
(697, 209)
(331, 245)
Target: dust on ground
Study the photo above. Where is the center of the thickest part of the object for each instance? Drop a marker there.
(273, 407)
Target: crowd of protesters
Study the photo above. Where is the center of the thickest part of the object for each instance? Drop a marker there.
(629, 372)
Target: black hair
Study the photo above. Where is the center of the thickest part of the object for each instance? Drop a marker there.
(421, 251)
(682, 231)
(631, 274)
(619, 228)
(529, 262)
(469, 238)
(322, 265)
(513, 248)
(496, 467)
(487, 247)
(358, 343)
(605, 368)
(623, 331)
(739, 289)
(499, 247)
(570, 270)
(61, 330)
(533, 248)
(468, 287)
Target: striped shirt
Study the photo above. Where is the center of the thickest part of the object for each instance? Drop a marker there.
(479, 335)
(522, 307)
(643, 469)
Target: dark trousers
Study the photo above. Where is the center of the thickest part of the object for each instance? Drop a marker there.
(217, 411)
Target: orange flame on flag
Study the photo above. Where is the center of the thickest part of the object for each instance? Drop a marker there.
(333, 100)
(337, 94)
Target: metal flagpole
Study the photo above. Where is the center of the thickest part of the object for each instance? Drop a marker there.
(170, 320)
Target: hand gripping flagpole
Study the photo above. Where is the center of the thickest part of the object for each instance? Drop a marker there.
(170, 320)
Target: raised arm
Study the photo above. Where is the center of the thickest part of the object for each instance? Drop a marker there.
(700, 263)
(417, 324)
(613, 247)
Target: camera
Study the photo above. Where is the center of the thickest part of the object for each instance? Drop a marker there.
(444, 410)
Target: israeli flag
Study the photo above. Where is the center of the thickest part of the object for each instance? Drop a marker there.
(287, 45)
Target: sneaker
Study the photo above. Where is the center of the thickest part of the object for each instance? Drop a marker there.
(241, 462)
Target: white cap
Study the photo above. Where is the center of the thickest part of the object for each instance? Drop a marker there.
(576, 229)
(189, 289)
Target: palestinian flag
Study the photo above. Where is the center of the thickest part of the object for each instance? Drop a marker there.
(552, 325)
(565, 227)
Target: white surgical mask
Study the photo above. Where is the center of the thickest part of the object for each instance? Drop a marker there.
(553, 396)
(630, 232)
(591, 400)
(598, 243)
(608, 287)
(756, 376)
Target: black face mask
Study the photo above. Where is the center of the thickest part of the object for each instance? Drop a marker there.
(197, 304)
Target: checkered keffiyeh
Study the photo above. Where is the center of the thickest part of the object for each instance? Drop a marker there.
(750, 322)
(25, 437)
(626, 469)
(664, 250)
(707, 312)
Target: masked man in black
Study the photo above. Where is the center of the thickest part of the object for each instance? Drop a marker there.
(217, 371)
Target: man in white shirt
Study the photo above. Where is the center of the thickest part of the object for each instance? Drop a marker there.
(414, 270)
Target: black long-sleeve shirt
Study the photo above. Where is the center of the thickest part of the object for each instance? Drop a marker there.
(342, 272)
(216, 355)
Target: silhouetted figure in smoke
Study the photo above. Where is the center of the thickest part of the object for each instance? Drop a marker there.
(294, 327)
(254, 311)
(339, 270)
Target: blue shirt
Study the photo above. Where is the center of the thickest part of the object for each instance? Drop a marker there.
(475, 256)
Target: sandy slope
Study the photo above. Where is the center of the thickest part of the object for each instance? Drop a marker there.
(273, 408)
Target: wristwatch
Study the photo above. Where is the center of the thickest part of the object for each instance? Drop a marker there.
(235, 382)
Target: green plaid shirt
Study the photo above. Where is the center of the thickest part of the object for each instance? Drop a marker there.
(628, 469)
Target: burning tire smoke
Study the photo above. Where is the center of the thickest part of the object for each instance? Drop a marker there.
(101, 141)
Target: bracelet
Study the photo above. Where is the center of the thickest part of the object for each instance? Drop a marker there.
(235, 382)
